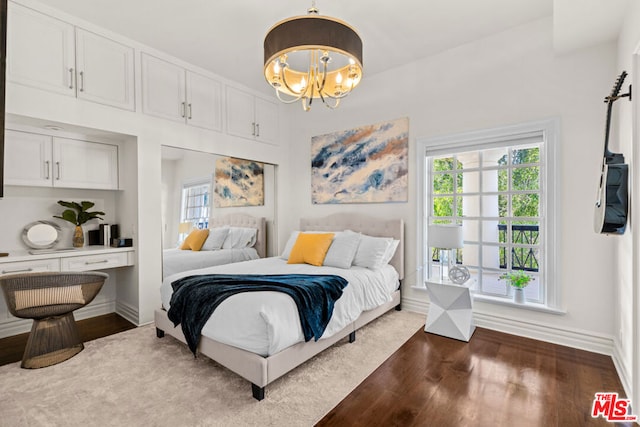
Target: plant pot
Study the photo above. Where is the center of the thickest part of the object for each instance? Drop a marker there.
(518, 295)
(78, 237)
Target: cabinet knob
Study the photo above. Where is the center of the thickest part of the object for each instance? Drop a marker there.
(257, 129)
(81, 81)
(70, 78)
(253, 133)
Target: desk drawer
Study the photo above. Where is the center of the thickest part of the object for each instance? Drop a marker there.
(94, 262)
(36, 266)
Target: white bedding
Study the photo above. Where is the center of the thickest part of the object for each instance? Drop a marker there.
(267, 322)
(177, 260)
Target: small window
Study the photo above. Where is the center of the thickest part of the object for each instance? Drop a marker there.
(195, 204)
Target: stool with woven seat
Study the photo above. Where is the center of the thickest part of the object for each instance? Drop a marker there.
(50, 299)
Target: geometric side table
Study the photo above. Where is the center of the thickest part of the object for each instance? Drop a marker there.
(450, 311)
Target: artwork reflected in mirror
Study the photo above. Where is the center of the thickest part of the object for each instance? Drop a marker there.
(238, 182)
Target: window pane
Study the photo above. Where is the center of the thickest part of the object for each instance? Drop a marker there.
(490, 181)
(492, 285)
(524, 259)
(471, 230)
(442, 206)
(525, 155)
(491, 232)
(443, 183)
(443, 164)
(491, 206)
(470, 205)
(527, 178)
(503, 180)
(525, 205)
(525, 234)
(469, 160)
(491, 256)
(494, 157)
(470, 255)
(469, 182)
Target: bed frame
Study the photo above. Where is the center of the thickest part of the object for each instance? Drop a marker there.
(245, 220)
(260, 370)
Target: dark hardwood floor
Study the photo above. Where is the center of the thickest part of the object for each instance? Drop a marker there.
(494, 380)
(11, 348)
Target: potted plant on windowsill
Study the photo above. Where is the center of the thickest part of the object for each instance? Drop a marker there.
(77, 214)
(518, 280)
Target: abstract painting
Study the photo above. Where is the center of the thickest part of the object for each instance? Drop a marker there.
(363, 165)
(238, 182)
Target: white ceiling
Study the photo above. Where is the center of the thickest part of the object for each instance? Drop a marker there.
(225, 36)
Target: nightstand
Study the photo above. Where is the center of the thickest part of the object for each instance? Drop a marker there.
(450, 311)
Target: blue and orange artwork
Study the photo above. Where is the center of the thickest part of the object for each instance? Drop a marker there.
(239, 182)
(363, 165)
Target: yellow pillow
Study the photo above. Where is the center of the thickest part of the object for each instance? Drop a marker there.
(310, 248)
(195, 239)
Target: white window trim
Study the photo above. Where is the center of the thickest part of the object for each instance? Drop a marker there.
(551, 157)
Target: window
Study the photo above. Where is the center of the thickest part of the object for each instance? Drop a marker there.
(499, 185)
(195, 204)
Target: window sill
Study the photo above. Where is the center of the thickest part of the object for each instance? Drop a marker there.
(506, 302)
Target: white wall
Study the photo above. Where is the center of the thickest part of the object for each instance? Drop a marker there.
(627, 253)
(508, 78)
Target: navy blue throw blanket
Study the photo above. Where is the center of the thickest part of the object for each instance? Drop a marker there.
(195, 298)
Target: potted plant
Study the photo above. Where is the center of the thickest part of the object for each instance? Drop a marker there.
(518, 280)
(77, 214)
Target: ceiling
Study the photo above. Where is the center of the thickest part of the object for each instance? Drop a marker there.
(225, 36)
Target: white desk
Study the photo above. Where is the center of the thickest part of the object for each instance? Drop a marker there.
(450, 311)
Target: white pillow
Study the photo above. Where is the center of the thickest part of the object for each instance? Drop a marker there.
(391, 251)
(240, 237)
(371, 251)
(287, 248)
(216, 239)
(342, 250)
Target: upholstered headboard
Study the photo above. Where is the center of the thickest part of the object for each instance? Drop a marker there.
(244, 220)
(362, 224)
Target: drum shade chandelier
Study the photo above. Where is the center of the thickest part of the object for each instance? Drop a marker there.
(312, 56)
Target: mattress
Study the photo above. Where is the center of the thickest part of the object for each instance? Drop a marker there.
(177, 260)
(267, 322)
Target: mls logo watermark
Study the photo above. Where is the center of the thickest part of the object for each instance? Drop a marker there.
(611, 408)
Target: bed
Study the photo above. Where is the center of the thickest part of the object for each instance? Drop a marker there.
(177, 260)
(266, 361)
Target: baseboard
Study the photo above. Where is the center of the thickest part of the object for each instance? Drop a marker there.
(583, 340)
(622, 369)
(127, 311)
(416, 305)
(21, 326)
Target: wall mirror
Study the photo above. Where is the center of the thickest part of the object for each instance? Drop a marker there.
(192, 193)
(41, 234)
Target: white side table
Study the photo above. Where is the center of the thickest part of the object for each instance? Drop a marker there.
(450, 311)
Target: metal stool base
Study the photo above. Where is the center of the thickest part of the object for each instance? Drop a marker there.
(51, 341)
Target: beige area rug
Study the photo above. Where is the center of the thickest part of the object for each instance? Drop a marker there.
(135, 379)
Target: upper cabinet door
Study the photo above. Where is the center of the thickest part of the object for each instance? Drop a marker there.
(28, 159)
(266, 121)
(163, 89)
(240, 113)
(82, 164)
(204, 102)
(105, 70)
(40, 51)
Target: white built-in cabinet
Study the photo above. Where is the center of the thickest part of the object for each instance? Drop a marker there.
(45, 161)
(251, 117)
(174, 93)
(53, 55)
